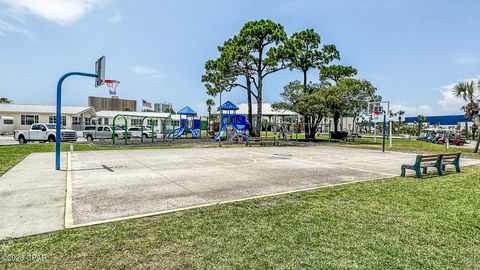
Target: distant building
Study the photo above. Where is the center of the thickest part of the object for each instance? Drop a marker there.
(268, 113)
(444, 121)
(112, 104)
(162, 107)
(73, 117)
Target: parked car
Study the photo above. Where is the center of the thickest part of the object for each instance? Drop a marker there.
(457, 141)
(44, 133)
(103, 132)
(137, 132)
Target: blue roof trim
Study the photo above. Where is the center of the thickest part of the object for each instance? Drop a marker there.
(229, 106)
(439, 120)
(187, 111)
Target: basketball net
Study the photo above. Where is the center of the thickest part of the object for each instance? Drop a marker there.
(112, 86)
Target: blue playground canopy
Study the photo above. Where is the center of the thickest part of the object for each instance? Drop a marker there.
(187, 111)
(228, 106)
(445, 120)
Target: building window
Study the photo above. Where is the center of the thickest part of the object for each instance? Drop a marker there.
(105, 121)
(75, 120)
(28, 119)
(53, 120)
(87, 121)
(99, 121)
(149, 122)
(135, 122)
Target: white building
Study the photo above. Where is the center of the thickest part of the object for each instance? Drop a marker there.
(73, 117)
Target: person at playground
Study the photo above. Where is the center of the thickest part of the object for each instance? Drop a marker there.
(282, 133)
(230, 134)
(239, 136)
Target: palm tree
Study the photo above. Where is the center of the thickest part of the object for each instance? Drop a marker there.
(400, 113)
(421, 120)
(467, 91)
(5, 100)
(210, 103)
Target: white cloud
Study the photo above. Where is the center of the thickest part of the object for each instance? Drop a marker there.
(148, 71)
(58, 11)
(449, 103)
(6, 27)
(116, 18)
(413, 111)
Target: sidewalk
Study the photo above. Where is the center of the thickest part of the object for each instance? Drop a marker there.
(32, 197)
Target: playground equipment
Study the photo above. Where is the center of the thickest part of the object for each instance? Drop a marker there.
(238, 123)
(152, 124)
(184, 128)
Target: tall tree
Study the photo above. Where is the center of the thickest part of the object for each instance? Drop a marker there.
(336, 72)
(5, 100)
(307, 101)
(263, 40)
(210, 103)
(223, 73)
(348, 96)
(304, 54)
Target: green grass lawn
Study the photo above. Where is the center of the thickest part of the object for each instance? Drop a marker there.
(410, 146)
(12, 154)
(396, 223)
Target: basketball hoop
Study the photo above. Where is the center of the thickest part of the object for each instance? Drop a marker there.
(112, 86)
(376, 113)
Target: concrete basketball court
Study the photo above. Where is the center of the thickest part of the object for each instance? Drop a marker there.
(104, 186)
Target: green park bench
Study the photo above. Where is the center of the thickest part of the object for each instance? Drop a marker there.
(439, 162)
(262, 141)
(451, 159)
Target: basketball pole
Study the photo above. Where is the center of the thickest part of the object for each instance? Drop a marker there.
(384, 131)
(59, 112)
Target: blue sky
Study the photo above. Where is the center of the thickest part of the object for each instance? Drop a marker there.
(412, 51)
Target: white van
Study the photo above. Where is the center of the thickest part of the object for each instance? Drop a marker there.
(6, 125)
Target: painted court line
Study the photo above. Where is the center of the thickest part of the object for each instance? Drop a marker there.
(331, 165)
(219, 203)
(68, 194)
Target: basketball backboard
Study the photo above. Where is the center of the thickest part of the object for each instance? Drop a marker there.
(100, 71)
(376, 110)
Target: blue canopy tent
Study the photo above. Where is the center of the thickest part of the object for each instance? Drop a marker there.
(184, 129)
(228, 106)
(187, 111)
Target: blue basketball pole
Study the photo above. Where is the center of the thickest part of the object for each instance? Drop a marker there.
(384, 131)
(59, 112)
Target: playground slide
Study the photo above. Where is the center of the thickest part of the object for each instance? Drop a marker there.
(234, 127)
(177, 133)
(237, 130)
(221, 132)
(194, 133)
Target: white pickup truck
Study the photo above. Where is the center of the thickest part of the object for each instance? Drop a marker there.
(44, 133)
